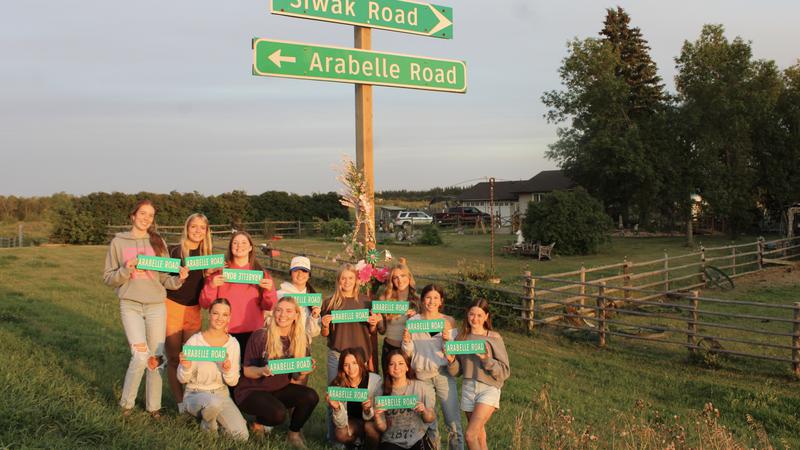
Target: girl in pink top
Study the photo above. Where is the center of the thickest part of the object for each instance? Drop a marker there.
(250, 303)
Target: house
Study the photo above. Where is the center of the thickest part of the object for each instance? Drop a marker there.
(512, 197)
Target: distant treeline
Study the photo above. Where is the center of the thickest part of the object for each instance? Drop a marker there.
(83, 219)
(431, 194)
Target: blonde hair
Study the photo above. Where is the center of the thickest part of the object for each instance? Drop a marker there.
(298, 346)
(390, 293)
(207, 246)
(335, 301)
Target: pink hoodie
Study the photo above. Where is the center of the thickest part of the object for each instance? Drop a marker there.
(246, 306)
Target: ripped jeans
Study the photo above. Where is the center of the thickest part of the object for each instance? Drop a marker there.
(144, 323)
(444, 387)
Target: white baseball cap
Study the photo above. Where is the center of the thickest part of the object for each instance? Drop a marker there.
(300, 262)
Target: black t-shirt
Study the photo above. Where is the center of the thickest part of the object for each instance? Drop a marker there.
(189, 293)
(354, 409)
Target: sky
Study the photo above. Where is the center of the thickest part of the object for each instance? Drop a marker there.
(103, 95)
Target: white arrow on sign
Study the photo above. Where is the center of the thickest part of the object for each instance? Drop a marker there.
(277, 59)
(444, 22)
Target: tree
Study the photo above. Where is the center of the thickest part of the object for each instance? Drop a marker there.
(615, 103)
(724, 94)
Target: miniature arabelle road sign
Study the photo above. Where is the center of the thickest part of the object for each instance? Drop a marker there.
(405, 16)
(204, 353)
(205, 262)
(290, 365)
(342, 394)
(158, 263)
(465, 347)
(242, 276)
(347, 65)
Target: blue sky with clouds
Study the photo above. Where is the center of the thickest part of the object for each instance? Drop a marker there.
(158, 96)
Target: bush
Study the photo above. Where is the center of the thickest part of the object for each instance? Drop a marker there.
(336, 228)
(431, 236)
(575, 221)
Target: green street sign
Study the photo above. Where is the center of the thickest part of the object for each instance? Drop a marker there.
(290, 365)
(242, 276)
(389, 307)
(465, 347)
(342, 394)
(394, 15)
(347, 65)
(396, 401)
(205, 262)
(306, 299)
(425, 326)
(203, 353)
(349, 315)
(158, 263)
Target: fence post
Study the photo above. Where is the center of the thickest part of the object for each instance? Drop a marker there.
(528, 301)
(626, 280)
(666, 272)
(583, 285)
(20, 238)
(299, 229)
(760, 255)
(691, 334)
(703, 264)
(601, 314)
(733, 259)
(796, 340)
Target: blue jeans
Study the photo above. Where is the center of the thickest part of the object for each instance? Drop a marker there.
(144, 323)
(333, 369)
(216, 407)
(446, 390)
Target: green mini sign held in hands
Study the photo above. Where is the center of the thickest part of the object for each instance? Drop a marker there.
(290, 365)
(389, 307)
(425, 326)
(341, 394)
(465, 347)
(396, 402)
(350, 315)
(242, 276)
(205, 262)
(158, 263)
(203, 353)
(306, 299)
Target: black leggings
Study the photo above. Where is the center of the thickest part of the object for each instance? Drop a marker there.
(270, 408)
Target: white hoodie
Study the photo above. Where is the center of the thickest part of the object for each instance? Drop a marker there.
(313, 326)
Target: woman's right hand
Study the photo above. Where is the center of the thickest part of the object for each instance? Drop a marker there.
(326, 320)
(335, 405)
(406, 336)
(132, 263)
(218, 280)
(185, 363)
(265, 372)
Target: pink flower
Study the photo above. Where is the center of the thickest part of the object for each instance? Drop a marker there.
(365, 273)
(381, 274)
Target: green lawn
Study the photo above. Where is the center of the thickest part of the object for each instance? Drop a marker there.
(66, 356)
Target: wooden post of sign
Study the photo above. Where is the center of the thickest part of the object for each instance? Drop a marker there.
(363, 41)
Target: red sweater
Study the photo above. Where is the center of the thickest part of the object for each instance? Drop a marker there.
(246, 305)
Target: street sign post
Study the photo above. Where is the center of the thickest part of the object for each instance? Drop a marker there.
(405, 16)
(346, 65)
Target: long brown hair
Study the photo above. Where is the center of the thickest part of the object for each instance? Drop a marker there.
(251, 259)
(387, 379)
(341, 377)
(206, 247)
(429, 288)
(159, 247)
(465, 328)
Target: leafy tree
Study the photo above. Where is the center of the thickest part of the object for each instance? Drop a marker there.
(574, 220)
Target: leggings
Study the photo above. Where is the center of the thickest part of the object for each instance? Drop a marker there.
(270, 408)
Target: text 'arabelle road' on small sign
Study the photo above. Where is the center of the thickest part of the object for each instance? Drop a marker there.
(342, 394)
(349, 315)
(396, 401)
(389, 307)
(242, 276)
(203, 353)
(425, 326)
(158, 263)
(465, 347)
(205, 262)
(306, 299)
(348, 65)
(289, 365)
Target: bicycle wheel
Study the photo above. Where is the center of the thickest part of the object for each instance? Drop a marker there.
(718, 278)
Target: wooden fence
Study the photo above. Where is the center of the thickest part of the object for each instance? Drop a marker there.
(266, 229)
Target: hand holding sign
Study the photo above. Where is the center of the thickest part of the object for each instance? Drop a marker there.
(226, 365)
(131, 264)
(374, 319)
(218, 280)
(315, 312)
(183, 273)
(420, 408)
(266, 284)
(184, 362)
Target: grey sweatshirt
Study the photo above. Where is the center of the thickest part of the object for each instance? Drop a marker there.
(493, 370)
(140, 286)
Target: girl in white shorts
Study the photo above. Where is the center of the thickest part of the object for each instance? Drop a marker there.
(484, 374)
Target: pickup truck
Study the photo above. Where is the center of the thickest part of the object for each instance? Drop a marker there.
(461, 215)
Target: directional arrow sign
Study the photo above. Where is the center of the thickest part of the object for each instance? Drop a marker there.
(347, 65)
(406, 16)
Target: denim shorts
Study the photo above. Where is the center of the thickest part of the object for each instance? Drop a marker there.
(473, 392)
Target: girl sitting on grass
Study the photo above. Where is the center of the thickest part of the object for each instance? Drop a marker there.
(353, 420)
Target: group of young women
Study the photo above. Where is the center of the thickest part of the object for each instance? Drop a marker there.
(258, 323)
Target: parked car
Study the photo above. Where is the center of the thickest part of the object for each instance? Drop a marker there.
(461, 215)
(412, 218)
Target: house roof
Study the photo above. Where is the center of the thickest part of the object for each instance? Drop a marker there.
(545, 181)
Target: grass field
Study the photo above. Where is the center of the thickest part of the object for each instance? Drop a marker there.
(65, 357)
